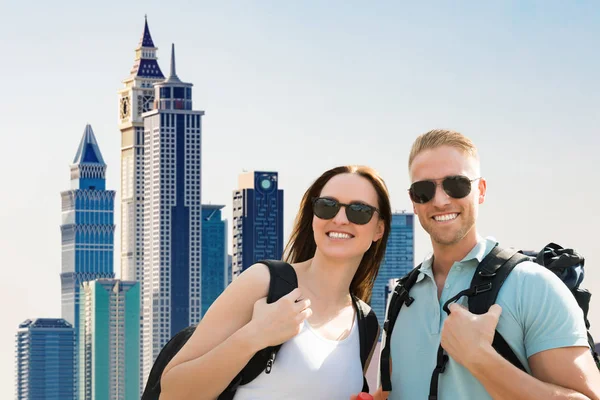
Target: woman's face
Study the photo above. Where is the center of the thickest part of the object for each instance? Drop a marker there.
(338, 237)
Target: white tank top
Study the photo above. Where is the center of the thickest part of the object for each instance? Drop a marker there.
(310, 367)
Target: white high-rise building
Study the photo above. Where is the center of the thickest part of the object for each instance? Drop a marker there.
(136, 98)
(172, 207)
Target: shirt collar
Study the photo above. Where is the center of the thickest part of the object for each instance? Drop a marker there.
(478, 253)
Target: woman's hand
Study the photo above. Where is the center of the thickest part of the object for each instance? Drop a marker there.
(278, 322)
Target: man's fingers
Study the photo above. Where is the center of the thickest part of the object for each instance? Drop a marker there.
(495, 311)
(456, 307)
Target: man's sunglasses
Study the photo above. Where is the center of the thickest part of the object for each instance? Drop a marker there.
(357, 213)
(456, 187)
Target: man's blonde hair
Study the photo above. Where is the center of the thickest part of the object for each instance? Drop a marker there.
(442, 137)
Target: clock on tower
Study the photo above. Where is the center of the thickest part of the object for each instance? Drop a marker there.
(125, 107)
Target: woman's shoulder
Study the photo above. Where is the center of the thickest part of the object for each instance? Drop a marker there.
(255, 278)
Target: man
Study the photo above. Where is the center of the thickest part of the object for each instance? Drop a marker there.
(534, 311)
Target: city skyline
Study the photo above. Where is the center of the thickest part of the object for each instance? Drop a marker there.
(523, 88)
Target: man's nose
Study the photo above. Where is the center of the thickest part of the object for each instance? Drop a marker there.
(441, 198)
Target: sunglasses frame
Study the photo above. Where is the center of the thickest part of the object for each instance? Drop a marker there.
(441, 183)
(346, 207)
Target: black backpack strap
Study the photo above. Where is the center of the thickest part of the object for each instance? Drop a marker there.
(283, 281)
(494, 273)
(400, 297)
(368, 330)
(152, 390)
(487, 280)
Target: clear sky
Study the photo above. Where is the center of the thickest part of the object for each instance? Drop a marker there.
(299, 87)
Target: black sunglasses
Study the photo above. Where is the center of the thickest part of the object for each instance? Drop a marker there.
(456, 187)
(357, 213)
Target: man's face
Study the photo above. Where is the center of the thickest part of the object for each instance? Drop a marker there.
(446, 219)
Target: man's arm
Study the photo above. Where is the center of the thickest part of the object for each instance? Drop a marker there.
(551, 378)
(560, 373)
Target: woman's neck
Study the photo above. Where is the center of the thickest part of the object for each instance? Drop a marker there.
(330, 279)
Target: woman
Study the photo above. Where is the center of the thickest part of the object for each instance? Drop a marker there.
(336, 247)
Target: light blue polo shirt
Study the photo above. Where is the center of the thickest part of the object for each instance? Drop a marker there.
(538, 313)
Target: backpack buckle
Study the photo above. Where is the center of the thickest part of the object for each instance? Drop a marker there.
(483, 288)
(403, 294)
(441, 368)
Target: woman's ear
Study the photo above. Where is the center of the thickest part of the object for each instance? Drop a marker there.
(380, 230)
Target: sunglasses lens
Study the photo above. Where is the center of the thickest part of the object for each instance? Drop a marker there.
(325, 208)
(421, 192)
(359, 214)
(457, 186)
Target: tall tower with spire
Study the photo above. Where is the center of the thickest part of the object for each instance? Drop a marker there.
(136, 98)
(87, 229)
(172, 215)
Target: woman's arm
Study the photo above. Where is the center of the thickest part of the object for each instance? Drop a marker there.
(237, 325)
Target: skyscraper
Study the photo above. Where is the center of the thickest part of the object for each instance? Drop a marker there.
(44, 365)
(87, 229)
(172, 215)
(136, 98)
(257, 220)
(398, 260)
(109, 362)
(215, 263)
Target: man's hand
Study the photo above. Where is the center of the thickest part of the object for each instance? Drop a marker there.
(378, 395)
(464, 334)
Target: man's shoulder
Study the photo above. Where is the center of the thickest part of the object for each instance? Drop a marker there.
(529, 270)
(531, 281)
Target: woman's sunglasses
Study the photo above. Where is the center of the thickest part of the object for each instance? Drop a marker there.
(357, 213)
(456, 187)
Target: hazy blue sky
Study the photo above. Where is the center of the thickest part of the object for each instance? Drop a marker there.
(300, 87)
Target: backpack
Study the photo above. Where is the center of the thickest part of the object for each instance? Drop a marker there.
(283, 281)
(489, 276)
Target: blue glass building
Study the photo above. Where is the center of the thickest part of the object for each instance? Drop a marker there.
(44, 365)
(398, 260)
(87, 229)
(257, 220)
(172, 254)
(215, 263)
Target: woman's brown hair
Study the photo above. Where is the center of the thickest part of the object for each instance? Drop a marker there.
(302, 246)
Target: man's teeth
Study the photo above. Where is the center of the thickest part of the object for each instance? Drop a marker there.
(339, 235)
(445, 217)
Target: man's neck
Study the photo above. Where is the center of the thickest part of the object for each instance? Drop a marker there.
(444, 256)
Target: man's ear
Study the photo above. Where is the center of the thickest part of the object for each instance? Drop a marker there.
(482, 190)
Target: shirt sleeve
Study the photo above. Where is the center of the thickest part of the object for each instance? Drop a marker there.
(550, 314)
